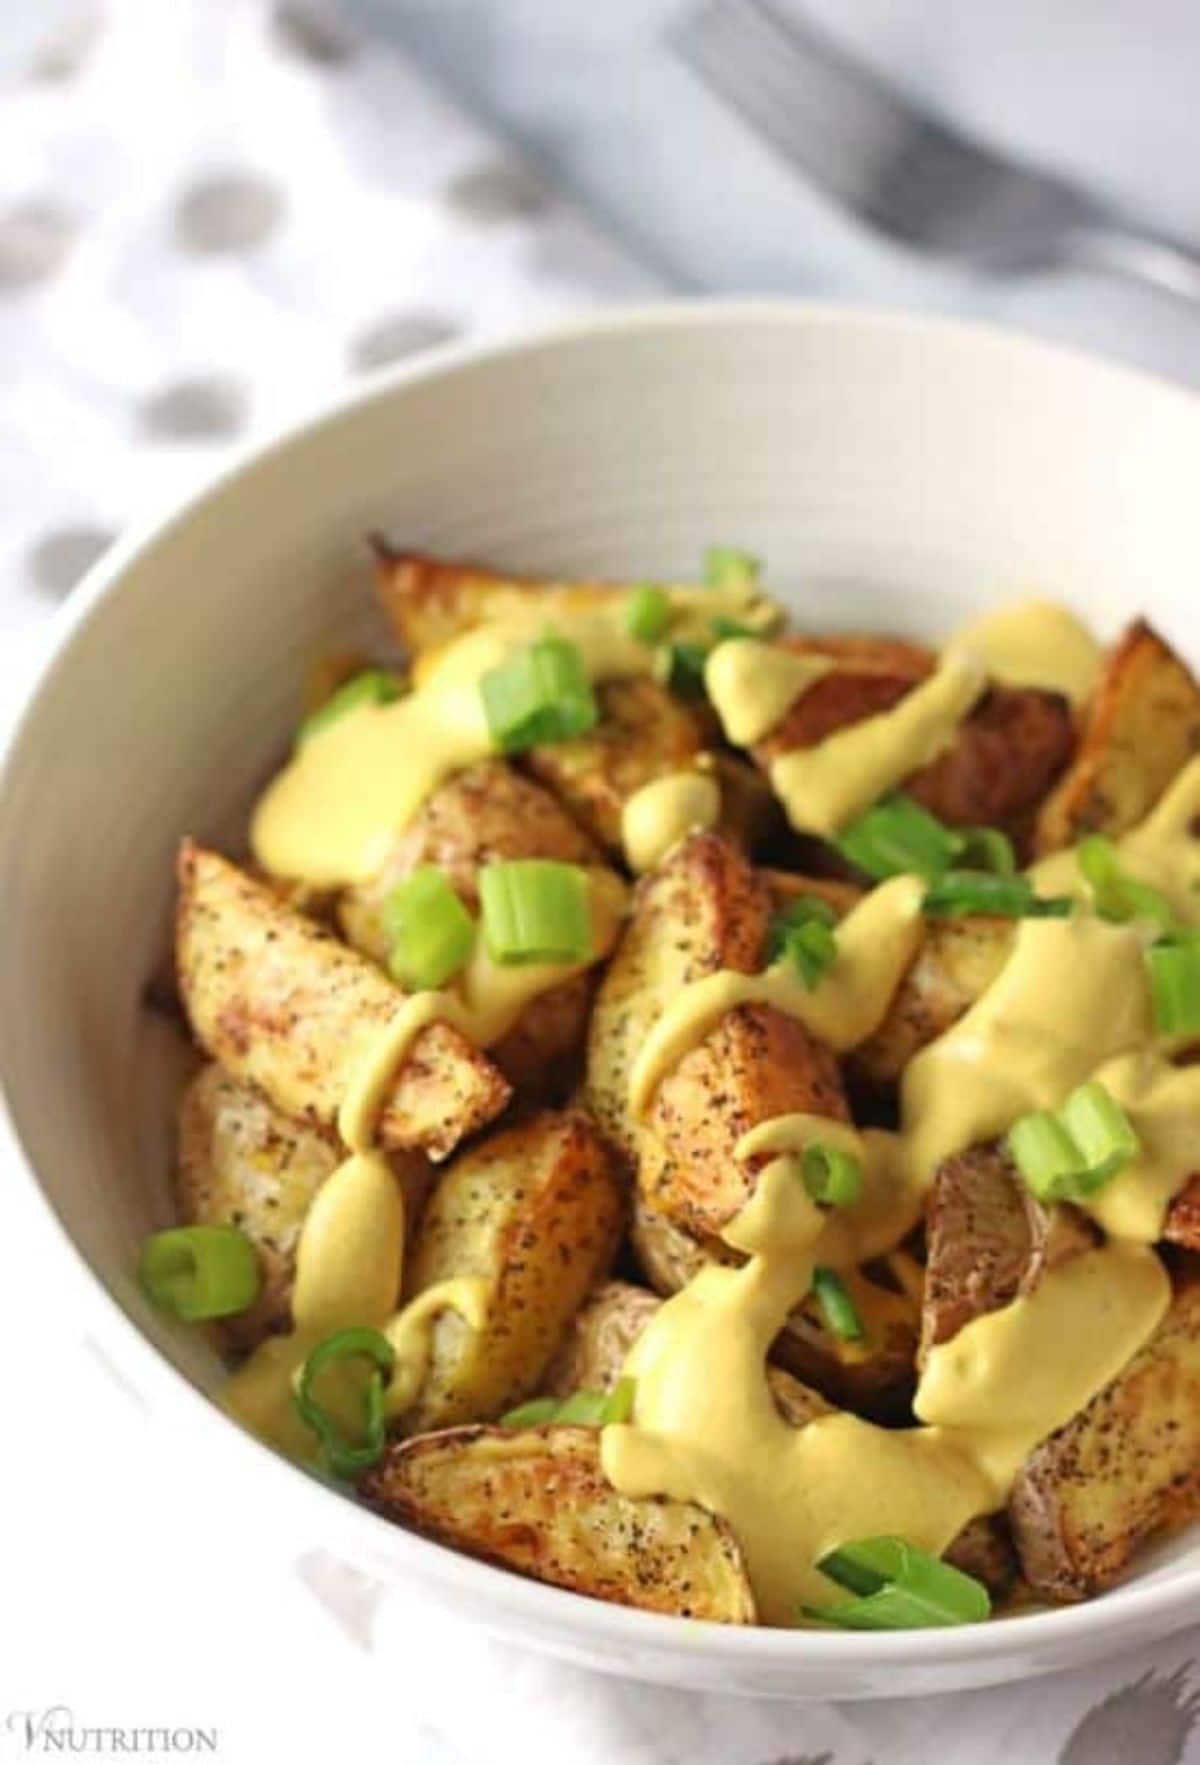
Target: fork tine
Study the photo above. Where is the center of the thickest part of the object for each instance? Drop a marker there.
(810, 100)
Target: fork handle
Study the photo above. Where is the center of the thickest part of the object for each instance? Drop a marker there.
(1139, 254)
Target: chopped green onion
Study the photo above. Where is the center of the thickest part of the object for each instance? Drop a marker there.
(831, 1176)
(680, 667)
(987, 848)
(1046, 1155)
(802, 933)
(532, 1414)
(978, 891)
(838, 1311)
(535, 910)
(896, 837)
(647, 612)
(429, 931)
(540, 694)
(727, 567)
(723, 629)
(1115, 894)
(1101, 1130)
(619, 1404)
(200, 1272)
(1068, 1155)
(1174, 965)
(900, 1587)
(344, 1456)
(583, 1408)
(374, 686)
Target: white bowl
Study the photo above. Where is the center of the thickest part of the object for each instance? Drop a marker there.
(895, 473)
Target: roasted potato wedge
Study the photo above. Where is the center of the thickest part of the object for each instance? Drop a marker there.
(241, 1162)
(1125, 1468)
(1007, 753)
(598, 1339)
(284, 1005)
(958, 960)
(643, 734)
(536, 1209)
(428, 600)
(538, 1502)
(988, 1240)
(485, 813)
(1141, 727)
(703, 909)
(874, 1376)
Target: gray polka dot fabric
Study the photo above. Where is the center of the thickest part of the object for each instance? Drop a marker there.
(214, 215)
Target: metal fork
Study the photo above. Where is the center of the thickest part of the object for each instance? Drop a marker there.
(905, 173)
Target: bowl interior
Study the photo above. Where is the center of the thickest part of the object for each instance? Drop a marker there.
(894, 475)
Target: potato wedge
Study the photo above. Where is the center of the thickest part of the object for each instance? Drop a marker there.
(1125, 1468)
(1006, 756)
(428, 601)
(703, 909)
(958, 960)
(536, 1209)
(988, 1240)
(282, 1004)
(593, 1351)
(538, 1502)
(874, 1376)
(1142, 725)
(482, 814)
(1182, 1224)
(241, 1162)
(643, 734)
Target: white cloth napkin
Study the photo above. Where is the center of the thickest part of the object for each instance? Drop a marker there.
(213, 213)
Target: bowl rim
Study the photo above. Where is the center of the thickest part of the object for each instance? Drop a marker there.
(1101, 1625)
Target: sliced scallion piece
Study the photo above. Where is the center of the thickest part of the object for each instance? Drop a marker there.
(374, 686)
(987, 848)
(618, 1406)
(802, 933)
(977, 891)
(832, 1176)
(1101, 1130)
(1174, 965)
(680, 667)
(345, 1454)
(1115, 894)
(723, 629)
(533, 1414)
(540, 694)
(1045, 1154)
(429, 931)
(535, 910)
(583, 1408)
(727, 567)
(647, 612)
(897, 837)
(899, 1587)
(1069, 1154)
(838, 1311)
(200, 1272)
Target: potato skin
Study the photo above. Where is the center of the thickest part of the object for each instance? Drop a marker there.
(1126, 1467)
(598, 1339)
(284, 1005)
(242, 1163)
(958, 960)
(537, 1209)
(704, 909)
(538, 1502)
(1141, 727)
(643, 733)
(486, 813)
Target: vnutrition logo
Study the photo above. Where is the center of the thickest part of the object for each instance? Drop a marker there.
(58, 1731)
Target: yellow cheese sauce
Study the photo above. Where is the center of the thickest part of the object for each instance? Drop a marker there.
(1163, 850)
(876, 942)
(824, 787)
(1033, 643)
(705, 1428)
(753, 685)
(665, 811)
